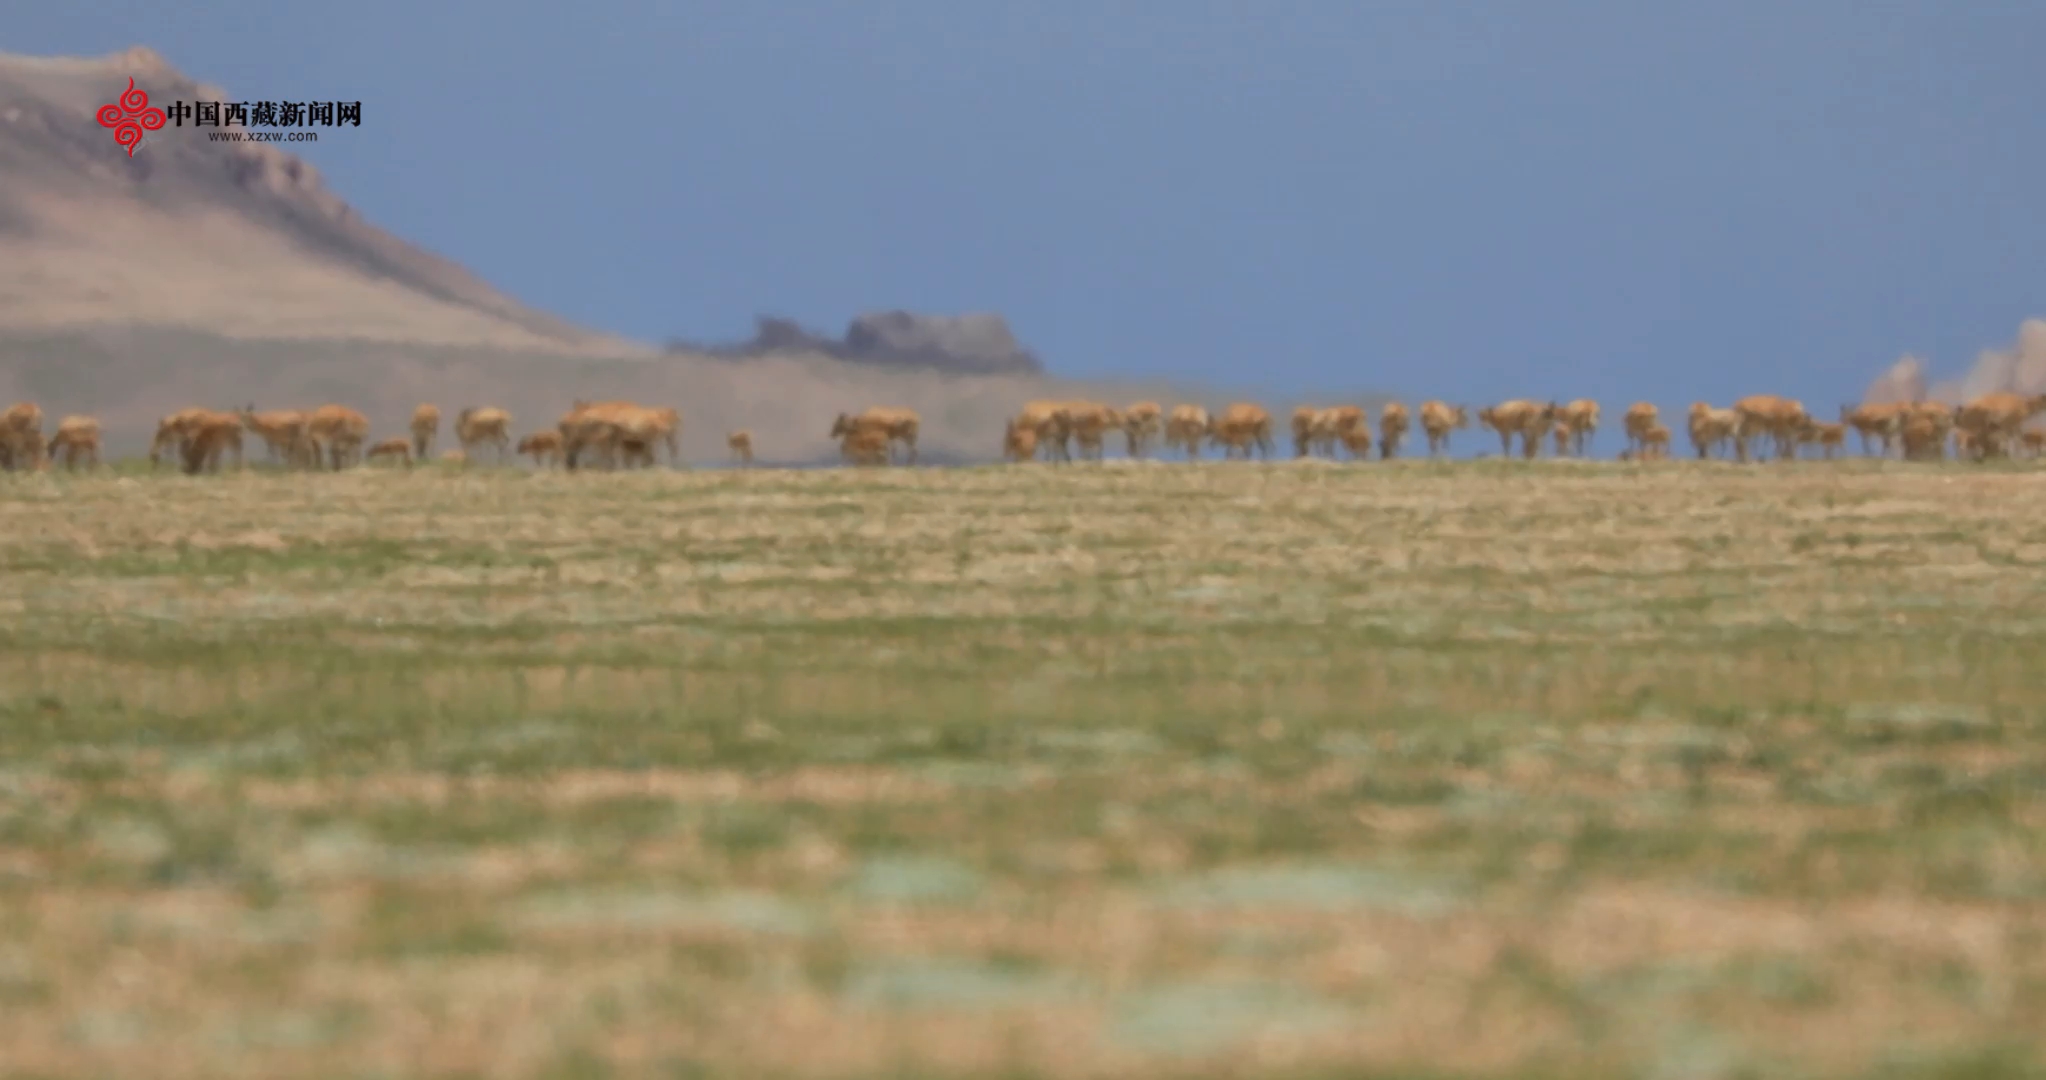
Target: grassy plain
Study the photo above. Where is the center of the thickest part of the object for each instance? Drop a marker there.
(1482, 768)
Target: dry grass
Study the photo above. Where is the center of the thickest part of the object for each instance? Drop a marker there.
(1569, 769)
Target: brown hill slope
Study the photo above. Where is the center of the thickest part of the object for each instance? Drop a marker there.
(200, 272)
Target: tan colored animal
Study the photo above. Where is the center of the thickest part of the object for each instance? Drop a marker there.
(899, 425)
(740, 443)
(1711, 428)
(1334, 426)
(1581, 417)
(1438, 420)
(1392, 429)
(170, 434)
(425, 428)
(399, 447)
(1047, 421)
(477, 426)
(2034, 441)
(1090, 423)
(1878, 425)
(203, 439)
(282, 432)
(1922, 438)
(1185, 428)
(1994, 420)
(544, 447)
(1357, 442)
(1141, 424)
(594, 428)
(867, 446)
(1654, 442)
(1972, 446)
(1562, 439)
(1303, 430)
(77, 436)
(1639, 417)
(1780, 418)
(21, 436)
(1242, 426)
(336, 433)
(1527, 419)
(1829, 438)
(1019, 442)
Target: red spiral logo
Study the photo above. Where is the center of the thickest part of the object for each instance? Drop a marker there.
(130, 117)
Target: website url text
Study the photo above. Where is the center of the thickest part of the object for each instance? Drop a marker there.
(263, 136)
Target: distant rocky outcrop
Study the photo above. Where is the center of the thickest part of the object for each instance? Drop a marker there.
(973, 344)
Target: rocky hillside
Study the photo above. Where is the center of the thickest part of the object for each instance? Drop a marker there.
(219, 273)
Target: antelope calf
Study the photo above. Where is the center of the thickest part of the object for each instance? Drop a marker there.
(740, 443)
(399, 447)
(544, 447)
(77, 436)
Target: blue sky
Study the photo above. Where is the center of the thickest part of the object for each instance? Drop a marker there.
(1456, 199)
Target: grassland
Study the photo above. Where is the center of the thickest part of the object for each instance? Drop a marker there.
(1297, 770)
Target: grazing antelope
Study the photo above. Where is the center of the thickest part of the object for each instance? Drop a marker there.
(619, 432)
(1141, 423)
(76, 436)
(1994, 420)
(1639, 417)
(867, 446)
(399, 447)
(1767, 414)
(1581, 418)
(1242, 426)
(1519, 417)
(740, 443)
(1090, 424)
(1019, 442)
(282, 432)
(425, 428)
(1654, 442)
(1876, 424)
(336, 432)
(1335, 426)
(1392, 429)
(21, 435)
(1711, 427)
(1047, 423)
(1357, 442)
(1185, 428)
(1829, 438)
(204, 438)
(899, 425)
(544, 447)
(1303, 430)
(485, 424)
(1438, 420)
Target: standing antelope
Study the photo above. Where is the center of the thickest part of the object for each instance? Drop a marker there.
(76, 436)
(484, 424)
(425, 427)
(1438, 420)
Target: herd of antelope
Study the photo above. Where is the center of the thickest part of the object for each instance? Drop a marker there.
(1990, 426)
(609, 434)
